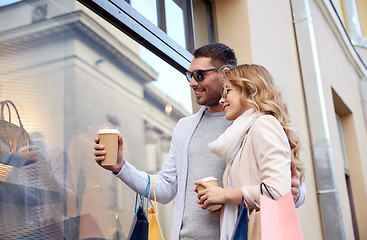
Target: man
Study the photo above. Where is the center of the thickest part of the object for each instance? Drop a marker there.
(189, 158)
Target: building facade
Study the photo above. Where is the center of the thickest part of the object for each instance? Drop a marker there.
(70, 67)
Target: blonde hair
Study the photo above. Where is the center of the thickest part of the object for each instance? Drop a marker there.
(258, 92)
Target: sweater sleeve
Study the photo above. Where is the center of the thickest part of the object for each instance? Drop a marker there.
(165, 181)
(302, 196)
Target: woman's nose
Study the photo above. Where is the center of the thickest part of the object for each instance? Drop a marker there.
(221, 100)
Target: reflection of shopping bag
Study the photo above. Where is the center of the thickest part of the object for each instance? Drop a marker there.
(140, 225)
(155, 232)
(240, 229)
(53, 229)
(278, 218)
(12, 137)
(73, 224)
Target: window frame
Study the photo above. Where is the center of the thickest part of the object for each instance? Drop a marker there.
(121, 15)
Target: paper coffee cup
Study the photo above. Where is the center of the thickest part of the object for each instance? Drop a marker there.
(109, 138)
(214, 182)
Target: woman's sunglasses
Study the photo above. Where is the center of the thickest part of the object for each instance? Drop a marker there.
(198, 74)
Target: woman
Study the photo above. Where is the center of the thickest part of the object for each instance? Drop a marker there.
(259, 147)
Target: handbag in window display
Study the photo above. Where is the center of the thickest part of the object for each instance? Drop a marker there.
(31, 200)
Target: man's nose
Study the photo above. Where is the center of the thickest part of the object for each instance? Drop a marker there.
(193, 82)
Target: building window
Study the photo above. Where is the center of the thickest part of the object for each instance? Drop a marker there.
(342, 114)
(174, 17)
(204, 22)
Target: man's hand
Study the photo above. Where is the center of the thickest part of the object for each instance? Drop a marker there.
(295, 184)
(99, 154)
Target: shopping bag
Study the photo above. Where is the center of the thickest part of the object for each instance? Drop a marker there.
(254, 226)
(279, 218)
(155, 232)
(140, 226)
(240, 229)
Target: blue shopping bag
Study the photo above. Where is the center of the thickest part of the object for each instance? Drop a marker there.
(139, 229)
(240, 230)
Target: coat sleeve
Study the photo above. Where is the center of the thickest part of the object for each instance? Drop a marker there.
(272, 155)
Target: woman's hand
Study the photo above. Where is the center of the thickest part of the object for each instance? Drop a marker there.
(210, 194)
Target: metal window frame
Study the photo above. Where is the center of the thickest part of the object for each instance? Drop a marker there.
(189, 25)
(131, 22)
(161, 15)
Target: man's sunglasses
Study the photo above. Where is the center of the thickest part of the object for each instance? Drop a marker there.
(198, 74)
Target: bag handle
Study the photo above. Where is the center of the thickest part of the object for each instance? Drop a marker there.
(7, 102)
(155, 199)
(242, 206)
(3, 129)
(2, 113)
(266, 187)
(141, 198)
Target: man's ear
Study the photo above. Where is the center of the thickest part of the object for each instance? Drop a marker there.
(225, 68)
(222, 70)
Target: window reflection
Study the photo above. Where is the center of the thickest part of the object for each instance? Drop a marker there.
(170, 81)
(66, 73)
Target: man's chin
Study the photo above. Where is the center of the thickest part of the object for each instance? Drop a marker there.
(200, 102)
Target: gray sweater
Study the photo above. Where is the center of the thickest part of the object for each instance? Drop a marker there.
(171, 181)
(202, 163)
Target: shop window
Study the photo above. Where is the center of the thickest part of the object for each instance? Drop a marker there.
(67, 69)
(66, 73)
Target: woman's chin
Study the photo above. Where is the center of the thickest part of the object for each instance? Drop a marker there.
(229, 117)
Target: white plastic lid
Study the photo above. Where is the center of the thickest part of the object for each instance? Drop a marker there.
(207, 179)
(108, 131)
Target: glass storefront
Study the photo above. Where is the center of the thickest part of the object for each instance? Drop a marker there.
(64, 73)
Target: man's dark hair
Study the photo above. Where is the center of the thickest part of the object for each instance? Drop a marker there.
(220, 54)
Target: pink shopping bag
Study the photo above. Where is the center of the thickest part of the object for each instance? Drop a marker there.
(279, 219)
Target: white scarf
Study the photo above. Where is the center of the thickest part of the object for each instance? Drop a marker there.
(226, 146)
(229, 143)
